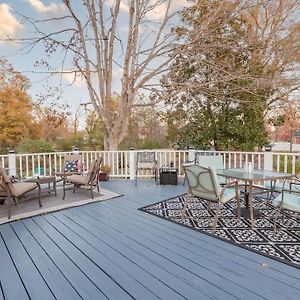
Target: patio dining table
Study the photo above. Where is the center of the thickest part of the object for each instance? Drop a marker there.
(249, 178)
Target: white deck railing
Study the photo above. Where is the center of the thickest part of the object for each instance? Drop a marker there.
(122, 163)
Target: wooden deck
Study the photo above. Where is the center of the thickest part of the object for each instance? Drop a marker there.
(110, 250)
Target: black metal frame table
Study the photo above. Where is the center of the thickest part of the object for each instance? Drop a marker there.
(249, 179)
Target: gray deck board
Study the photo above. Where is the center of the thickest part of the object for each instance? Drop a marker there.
(35, 285)
(212, 266)
(11, 284)
(169, 231)
(110, 250)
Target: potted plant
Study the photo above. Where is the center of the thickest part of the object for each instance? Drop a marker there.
(104, 173)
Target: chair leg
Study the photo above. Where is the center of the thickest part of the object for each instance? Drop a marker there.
(238, 202)
(98, 187)
(187, 199)
(64, 189)
(40, 202)
(74, 188)
(214, 227)
(209, 205)
(9, 207)
(184, 179)
(92, 194)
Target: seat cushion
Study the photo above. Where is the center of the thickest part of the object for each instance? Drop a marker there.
(146, 165)
(78, 179)
(290, 201)
(21, 188)
(277, 187)
(229, 194)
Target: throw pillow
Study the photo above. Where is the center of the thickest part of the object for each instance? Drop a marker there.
(71, 166)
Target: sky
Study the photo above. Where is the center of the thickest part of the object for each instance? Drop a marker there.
(13, 25)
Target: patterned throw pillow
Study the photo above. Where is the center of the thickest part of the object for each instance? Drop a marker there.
(71, 166)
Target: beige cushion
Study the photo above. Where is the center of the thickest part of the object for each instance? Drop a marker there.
(78, 179)
(21, 188)
(145, 165)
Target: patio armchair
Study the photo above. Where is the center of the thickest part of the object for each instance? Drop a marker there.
(204, 184)
(88, 180)
(288, 199)
(146, 161)
(16, 191)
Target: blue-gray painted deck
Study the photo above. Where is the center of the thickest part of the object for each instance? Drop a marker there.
(110, 250)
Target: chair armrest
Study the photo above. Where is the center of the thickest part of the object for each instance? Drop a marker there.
(296, 181)
(229, 185)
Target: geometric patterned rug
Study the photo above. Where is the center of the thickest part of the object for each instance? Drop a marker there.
(284, 246)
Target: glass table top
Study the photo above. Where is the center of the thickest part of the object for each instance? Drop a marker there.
(256, 175)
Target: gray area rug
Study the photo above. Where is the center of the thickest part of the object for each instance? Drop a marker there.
(284, 246)
(50, 202)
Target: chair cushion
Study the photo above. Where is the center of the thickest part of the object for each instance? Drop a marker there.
(290, 201)
(21, 188)
(71, 166)
(277, 187)
(78, 179)
(145, 165)
(229, 194)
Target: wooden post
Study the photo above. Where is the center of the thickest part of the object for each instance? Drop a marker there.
(12, 170)
(191, 154)
(132, 163)
(268, 160)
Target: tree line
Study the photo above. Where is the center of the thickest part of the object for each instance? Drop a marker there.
(223, 77)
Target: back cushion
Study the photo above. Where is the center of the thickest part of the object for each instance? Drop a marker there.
(71, 166)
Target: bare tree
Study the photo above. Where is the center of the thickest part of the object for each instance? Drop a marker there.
(102, 45)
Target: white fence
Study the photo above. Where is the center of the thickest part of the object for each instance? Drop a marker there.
(122, 163)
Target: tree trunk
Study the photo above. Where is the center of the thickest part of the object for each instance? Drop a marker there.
(110, 142)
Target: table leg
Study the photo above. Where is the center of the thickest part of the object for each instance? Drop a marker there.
(250, 200)
(248, 196)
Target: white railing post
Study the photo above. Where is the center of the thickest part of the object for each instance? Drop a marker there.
(191, 154)
(268, 160)
(132, 164)
(12, 170)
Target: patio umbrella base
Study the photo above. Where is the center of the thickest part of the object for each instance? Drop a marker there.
(245, 213)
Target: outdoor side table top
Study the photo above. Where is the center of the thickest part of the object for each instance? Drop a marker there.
(45, 180)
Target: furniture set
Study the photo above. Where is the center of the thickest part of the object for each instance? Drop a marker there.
(203, 177)
(14, 191)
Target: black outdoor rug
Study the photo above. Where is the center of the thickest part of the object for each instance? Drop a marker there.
(284, 246)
